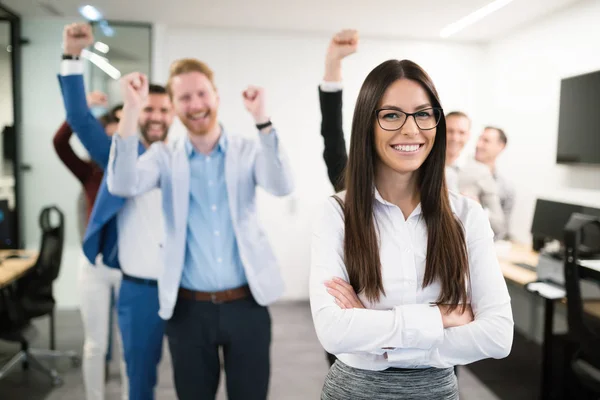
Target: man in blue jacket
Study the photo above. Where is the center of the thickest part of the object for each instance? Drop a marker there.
(126, 233)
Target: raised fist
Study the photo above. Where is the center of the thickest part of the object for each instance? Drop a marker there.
(342, 45)
(77, 37)
(254, 100)
(134, 89)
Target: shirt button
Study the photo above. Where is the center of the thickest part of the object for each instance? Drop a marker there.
(217, 233)
(210, 183)
(219, 260)
(407, 250)
(207, 159)
(214, 207)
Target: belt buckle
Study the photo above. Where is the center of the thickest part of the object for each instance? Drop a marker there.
(213, 299)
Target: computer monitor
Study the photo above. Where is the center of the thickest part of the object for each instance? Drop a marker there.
(550, 218)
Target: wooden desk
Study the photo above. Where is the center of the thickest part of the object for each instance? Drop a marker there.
(519, 254)
(12, 269)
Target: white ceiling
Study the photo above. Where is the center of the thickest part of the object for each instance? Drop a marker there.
(388, 18)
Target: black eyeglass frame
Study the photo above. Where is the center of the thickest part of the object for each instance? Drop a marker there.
(441, 111)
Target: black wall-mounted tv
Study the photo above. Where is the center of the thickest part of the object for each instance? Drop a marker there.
(579, 120)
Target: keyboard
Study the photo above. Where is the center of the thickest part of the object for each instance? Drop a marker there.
(526, 266)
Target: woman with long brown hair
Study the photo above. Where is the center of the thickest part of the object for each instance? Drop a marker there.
(405, 283)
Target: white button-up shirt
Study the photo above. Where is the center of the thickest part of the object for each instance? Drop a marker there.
(404, 319)
(141, 235)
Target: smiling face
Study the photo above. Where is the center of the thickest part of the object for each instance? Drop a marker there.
(405, 149)
(196, 102)
(458, 131)
(156, 118)
(489, 146)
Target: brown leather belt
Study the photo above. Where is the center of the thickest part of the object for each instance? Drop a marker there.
(216, 297)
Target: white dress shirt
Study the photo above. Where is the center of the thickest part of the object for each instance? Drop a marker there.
(141, 235)
(404, 319)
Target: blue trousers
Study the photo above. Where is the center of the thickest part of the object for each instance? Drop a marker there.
(142, 331)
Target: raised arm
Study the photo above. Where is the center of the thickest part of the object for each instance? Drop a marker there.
(91, 133)
(272, 170)
(128, 175)
(335, 156)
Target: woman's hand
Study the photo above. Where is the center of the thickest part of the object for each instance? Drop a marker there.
(344, 294)
(456, 317)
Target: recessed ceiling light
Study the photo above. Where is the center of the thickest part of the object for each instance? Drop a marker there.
(473, 17)
(90, 13)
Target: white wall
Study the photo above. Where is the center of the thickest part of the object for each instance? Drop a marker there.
(290, 66)
(522, 90)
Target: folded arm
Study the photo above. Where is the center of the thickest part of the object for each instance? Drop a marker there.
(490, 335)
(417, 326)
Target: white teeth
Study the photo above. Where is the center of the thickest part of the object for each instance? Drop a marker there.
(200, 115)
(407, 147)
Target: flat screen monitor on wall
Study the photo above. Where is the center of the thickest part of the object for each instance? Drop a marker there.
(579, 120)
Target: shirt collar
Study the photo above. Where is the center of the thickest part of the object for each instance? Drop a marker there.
(220, 148)
(416, 211)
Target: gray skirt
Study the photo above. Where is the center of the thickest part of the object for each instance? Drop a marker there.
(346, 383)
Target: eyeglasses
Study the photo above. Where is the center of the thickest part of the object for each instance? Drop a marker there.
(392, 119)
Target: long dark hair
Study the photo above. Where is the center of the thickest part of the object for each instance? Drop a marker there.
(447, 260)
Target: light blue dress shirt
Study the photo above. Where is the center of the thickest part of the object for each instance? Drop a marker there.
(212, 258)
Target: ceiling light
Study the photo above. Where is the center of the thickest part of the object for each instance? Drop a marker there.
(101, 63)
(90, 13)
(101, 47)
(107, 29)
(473, 17)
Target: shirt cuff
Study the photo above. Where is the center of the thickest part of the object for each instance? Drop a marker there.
(423, 326)
(125, 145)
(408, 358)
(330, 87)
(71, 67)
(269, 139)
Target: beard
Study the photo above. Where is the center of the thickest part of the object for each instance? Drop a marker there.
(200, 125)
(145, 130)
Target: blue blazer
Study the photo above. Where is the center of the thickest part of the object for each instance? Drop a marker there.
(101, 233)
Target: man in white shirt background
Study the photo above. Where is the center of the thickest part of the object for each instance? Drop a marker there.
(470, 177)
(490, 145)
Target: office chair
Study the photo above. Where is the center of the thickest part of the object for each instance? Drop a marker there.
(34, 298)
(585, 365)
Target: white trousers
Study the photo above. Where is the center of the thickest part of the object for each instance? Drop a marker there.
(97, 283)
